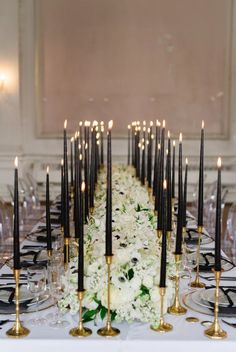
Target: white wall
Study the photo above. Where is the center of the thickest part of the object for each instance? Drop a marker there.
(18, 107)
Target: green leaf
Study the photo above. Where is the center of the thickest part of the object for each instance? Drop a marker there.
(89, 315)
(144, 290)
(113, 315)
(130, 274)
(103, 312)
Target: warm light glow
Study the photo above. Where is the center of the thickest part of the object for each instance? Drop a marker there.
(48, 169)
(144, 123)
(166, 151)
(173, 143)
(142, 147)
(186, 161)
(164, 184)
(95, 123)
(144, 129)
(110, 124)
(164, 123)
(86, 146)
(102, 128)
(72, 139)
(138, 123)
(129, 127)
(219, 162)
(98, 142)
(149, 130)
(79, 146)
(83, 186)
(151, 123)
(80, 157)
(3, 79)
(81, 123)
(16, 162)
(143, 140)
(152, 136)
(97, 135)
(203, 124)
(62, 162)
(168, 134)
(65, 124)
(87, 123)
(158, 123)
(180, 137)
(147, 142)
(75, 135)
(102, 123)
(159, 146)
(139, 145)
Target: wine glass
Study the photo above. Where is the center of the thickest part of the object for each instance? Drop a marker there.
(36, 277)
(189, 262)
(55, 273)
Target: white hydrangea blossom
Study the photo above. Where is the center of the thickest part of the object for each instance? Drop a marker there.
(136, 263)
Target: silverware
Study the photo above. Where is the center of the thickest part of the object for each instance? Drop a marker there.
(233, 325)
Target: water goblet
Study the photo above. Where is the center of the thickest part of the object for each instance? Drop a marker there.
(36, 277)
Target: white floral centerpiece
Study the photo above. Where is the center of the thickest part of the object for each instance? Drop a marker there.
(136, 262)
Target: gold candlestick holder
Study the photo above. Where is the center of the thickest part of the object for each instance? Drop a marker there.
(173, 214)
(66, 252)
(197, 283)
(80, 330)
(108, 330)
(18, 330)
(159, 233)
(177, 308)
(49, 253)
(215, 331)
(163, 326)
(168, 234)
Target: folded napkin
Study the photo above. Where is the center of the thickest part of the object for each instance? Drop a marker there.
(207, 266)
(230, 309)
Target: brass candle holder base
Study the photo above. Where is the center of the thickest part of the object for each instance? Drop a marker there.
(168, 234)
(108, 330)
(163, 326)
(177, 308)
(215, 331)
(159, 233)
(18, 330)
(197, 283)
(80, 330)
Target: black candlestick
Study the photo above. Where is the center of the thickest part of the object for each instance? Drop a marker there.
(109, 194)
(185, 194)
(173, 172)
(179, 234)
(201, 180)
(48, 218)
(218, 220)
(163, 244)
(16, 232)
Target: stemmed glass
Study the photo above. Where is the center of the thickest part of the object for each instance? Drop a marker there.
(36, 276)
(189, 262)
(56, 286)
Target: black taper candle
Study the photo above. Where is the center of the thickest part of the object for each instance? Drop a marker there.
(161, 178)
(109, 193)
(143, 165)
(81, 243)
(218, 220)
(157, 186)
(48, 217)
(102, 143)
(185, 194)
(163, 244)
(62, 196)
(76, 187)
(201, 180)
(71, 163)
(128, 161)
(169, 193)
(86, 178)
(92, 170)
(173, 172)
(179, 233)
(16, 231)
(66, 187)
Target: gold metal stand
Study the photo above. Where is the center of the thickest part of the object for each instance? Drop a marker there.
(49, 253)
(80, 330)
(197, 283)
(159, 233)
(67, 251)
(176, 308)
(215, 331)
(168, 234)
(173, 214)
(91, 210)
(163, 326)
(18, 330)
(108, 330)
